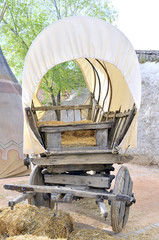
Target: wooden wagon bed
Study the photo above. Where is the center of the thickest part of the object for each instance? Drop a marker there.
(83, 142)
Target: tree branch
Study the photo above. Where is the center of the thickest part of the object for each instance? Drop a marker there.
(57, 10)
(3, 11)
(14, 31)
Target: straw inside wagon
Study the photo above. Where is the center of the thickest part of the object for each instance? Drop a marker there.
(74, 138)
(38, 221)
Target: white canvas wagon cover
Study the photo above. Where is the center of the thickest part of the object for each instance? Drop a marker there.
(90, 42)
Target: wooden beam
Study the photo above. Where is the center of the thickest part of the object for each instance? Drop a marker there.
(59, 189)
(117, 115)
(73, 107)
(86, 192)
(79, 107)
(77, 159)
(75, 127)
(91, 181)
(80, 152)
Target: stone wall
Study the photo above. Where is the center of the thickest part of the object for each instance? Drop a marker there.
(148, 122)
(147, 55)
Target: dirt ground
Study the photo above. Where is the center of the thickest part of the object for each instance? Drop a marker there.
(143, 220)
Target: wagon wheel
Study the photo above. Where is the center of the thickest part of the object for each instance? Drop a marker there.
(119, 210)
(40, 199)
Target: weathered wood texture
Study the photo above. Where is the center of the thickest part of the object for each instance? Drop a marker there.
(119, 210)
(101, 137)
(75, 190)
(81, 158)
(33, 124)
(75, 127)
(74, 107)
(53, 140)
(86, 192)
(91, 181)
(126, 124)
(52, 134)
(120, 127)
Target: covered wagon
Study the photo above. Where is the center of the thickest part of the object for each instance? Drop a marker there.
(67, 171)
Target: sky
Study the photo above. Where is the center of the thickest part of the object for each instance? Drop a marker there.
(139, 21)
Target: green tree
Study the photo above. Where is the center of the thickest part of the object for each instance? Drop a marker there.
(22, 22)
(59, 80)
(25, 19)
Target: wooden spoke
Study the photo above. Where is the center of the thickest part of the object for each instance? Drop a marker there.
(119, 210)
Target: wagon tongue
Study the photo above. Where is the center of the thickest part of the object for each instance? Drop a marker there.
(86, 192)
(18, 188)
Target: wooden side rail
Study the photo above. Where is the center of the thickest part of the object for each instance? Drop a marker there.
(122, 123)
(52, 134)
(75, 127)
(33, 124)
(73, 107)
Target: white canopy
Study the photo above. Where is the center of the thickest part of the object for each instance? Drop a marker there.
(101, 51)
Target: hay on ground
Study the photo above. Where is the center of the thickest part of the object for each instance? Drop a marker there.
(85, 234)
(38, 221)
(30, 237)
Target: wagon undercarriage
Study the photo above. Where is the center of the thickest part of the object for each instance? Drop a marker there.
(48, 190)
(53, 184)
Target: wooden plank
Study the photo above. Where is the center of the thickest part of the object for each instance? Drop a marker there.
(80, 152)
(33, 124)
(101, 137)
(84, 192)
(73, 107)
(81, 167)
(75, 127)
(53, 140)
(91, 181)
(77, 149)
(120, 128)
(91, 158)
(117, 115)
(59, 189)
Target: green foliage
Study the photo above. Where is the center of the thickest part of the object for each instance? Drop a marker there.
(62, 78)
(95, 8)
(25, 19)
(22, 22)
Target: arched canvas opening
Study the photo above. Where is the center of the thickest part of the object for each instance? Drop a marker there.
(105, 56)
